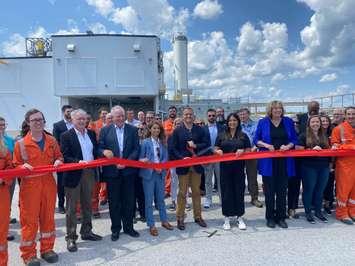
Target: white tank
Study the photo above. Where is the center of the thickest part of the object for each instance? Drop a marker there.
(180, 64)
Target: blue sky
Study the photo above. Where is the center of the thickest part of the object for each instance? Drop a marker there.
(261, 49)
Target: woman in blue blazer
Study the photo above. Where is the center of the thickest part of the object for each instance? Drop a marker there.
(153, 149)
(276, 132)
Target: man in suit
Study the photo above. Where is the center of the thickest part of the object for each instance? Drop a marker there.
(188, 141)
(79, 145)
(120, 140)
(212, 129)
(59, 128)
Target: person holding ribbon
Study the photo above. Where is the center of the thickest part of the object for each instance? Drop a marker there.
(315, 170)
(189, 141)
(38, 192)
(276, 132)
(5, 202)
(153, 149)
(232, 139)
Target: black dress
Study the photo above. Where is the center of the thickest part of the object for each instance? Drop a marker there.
(275, 187)
(232, 175)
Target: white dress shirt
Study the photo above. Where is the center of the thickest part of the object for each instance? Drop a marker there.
(86, 145)
(156, 148)
(68, 124)
(120, 136)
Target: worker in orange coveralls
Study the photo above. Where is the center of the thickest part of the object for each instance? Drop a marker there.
(37, 192)
(343, 137)
(99, 192)
(5, 163)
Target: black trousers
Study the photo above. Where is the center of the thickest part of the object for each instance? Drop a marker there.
(275, 190)
(60, 190)
(294, 186)
(121, 203)
(139, 202)
(329, 189)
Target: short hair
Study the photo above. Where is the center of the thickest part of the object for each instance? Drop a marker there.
(117, 107)
(103, 108)
(187, 108)
(348, 108)
(65, 107)
(76, 112)
(32, 112)
(129, 110)
(172, 107)
(150, 113)
(2, 119)
(211, 110)
(311, 103)
(272, 105)
(243, 109)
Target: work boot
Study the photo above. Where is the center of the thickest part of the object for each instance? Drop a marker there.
(50, 256)
(257, 203)
(34, 261)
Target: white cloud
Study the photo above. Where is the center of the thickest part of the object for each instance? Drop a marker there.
(127, 17)
(103, 7)
(277, 77)
(208, 9)
(328, 77)
(97, 28)
(15, 46)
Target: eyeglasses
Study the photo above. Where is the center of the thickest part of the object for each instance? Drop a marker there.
(38, 120)
(211, 115)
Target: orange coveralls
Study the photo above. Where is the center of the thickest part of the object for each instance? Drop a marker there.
(5, 163)
(99, 192)
(37, 195)
(343, 136)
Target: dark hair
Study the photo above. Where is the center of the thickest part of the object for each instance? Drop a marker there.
(329, 129)
(161, 134)
(211, 110)
(65, 107)
(348, 108)
(244, 109)
(311, 139)
(31, 112)
(24, 128)
(102, 109)
(172, 107)
(238, 133)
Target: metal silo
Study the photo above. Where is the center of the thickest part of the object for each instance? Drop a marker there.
(180, 65)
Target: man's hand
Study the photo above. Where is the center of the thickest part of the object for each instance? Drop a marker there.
(27, 166)
(239, 152)
(185, 158)
(191, 144)
(120, 166)
(218, 152)
(317, 148)
(284, 147)
(108, 154)
(82, 161)
(57, 163)
(144, 160)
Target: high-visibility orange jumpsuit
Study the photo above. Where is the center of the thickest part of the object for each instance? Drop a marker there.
(5, 163)
(343, 136)
(99, 192)
(37, 195)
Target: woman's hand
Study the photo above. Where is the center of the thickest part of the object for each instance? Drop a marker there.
(57, 163)
(239, 152)
(284, 147)
(218, 152)
(144, 160)
(317, 148)
(27, 166)
(270, 147)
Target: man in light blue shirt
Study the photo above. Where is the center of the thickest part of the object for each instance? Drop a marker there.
(249, 128)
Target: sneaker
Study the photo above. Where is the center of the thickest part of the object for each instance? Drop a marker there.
(187, 207)
(257, 203)
(172, 206)
(292, 214)
(50, 256)
(226, 225)
(13, 221)
(207, 203)
(241, 223)
(321, 217)
(310, 218)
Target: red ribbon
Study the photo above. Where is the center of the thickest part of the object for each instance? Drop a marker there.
(19, 172)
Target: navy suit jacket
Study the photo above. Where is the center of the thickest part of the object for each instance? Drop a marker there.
(58, 129)
(220, 128)
(147, 151)
(179, 145)
(108, 141)
(71, 150)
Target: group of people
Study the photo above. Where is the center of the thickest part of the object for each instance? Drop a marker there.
(128, 190)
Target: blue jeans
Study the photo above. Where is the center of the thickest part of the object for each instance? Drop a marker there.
(154, 187)
(314, 181)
